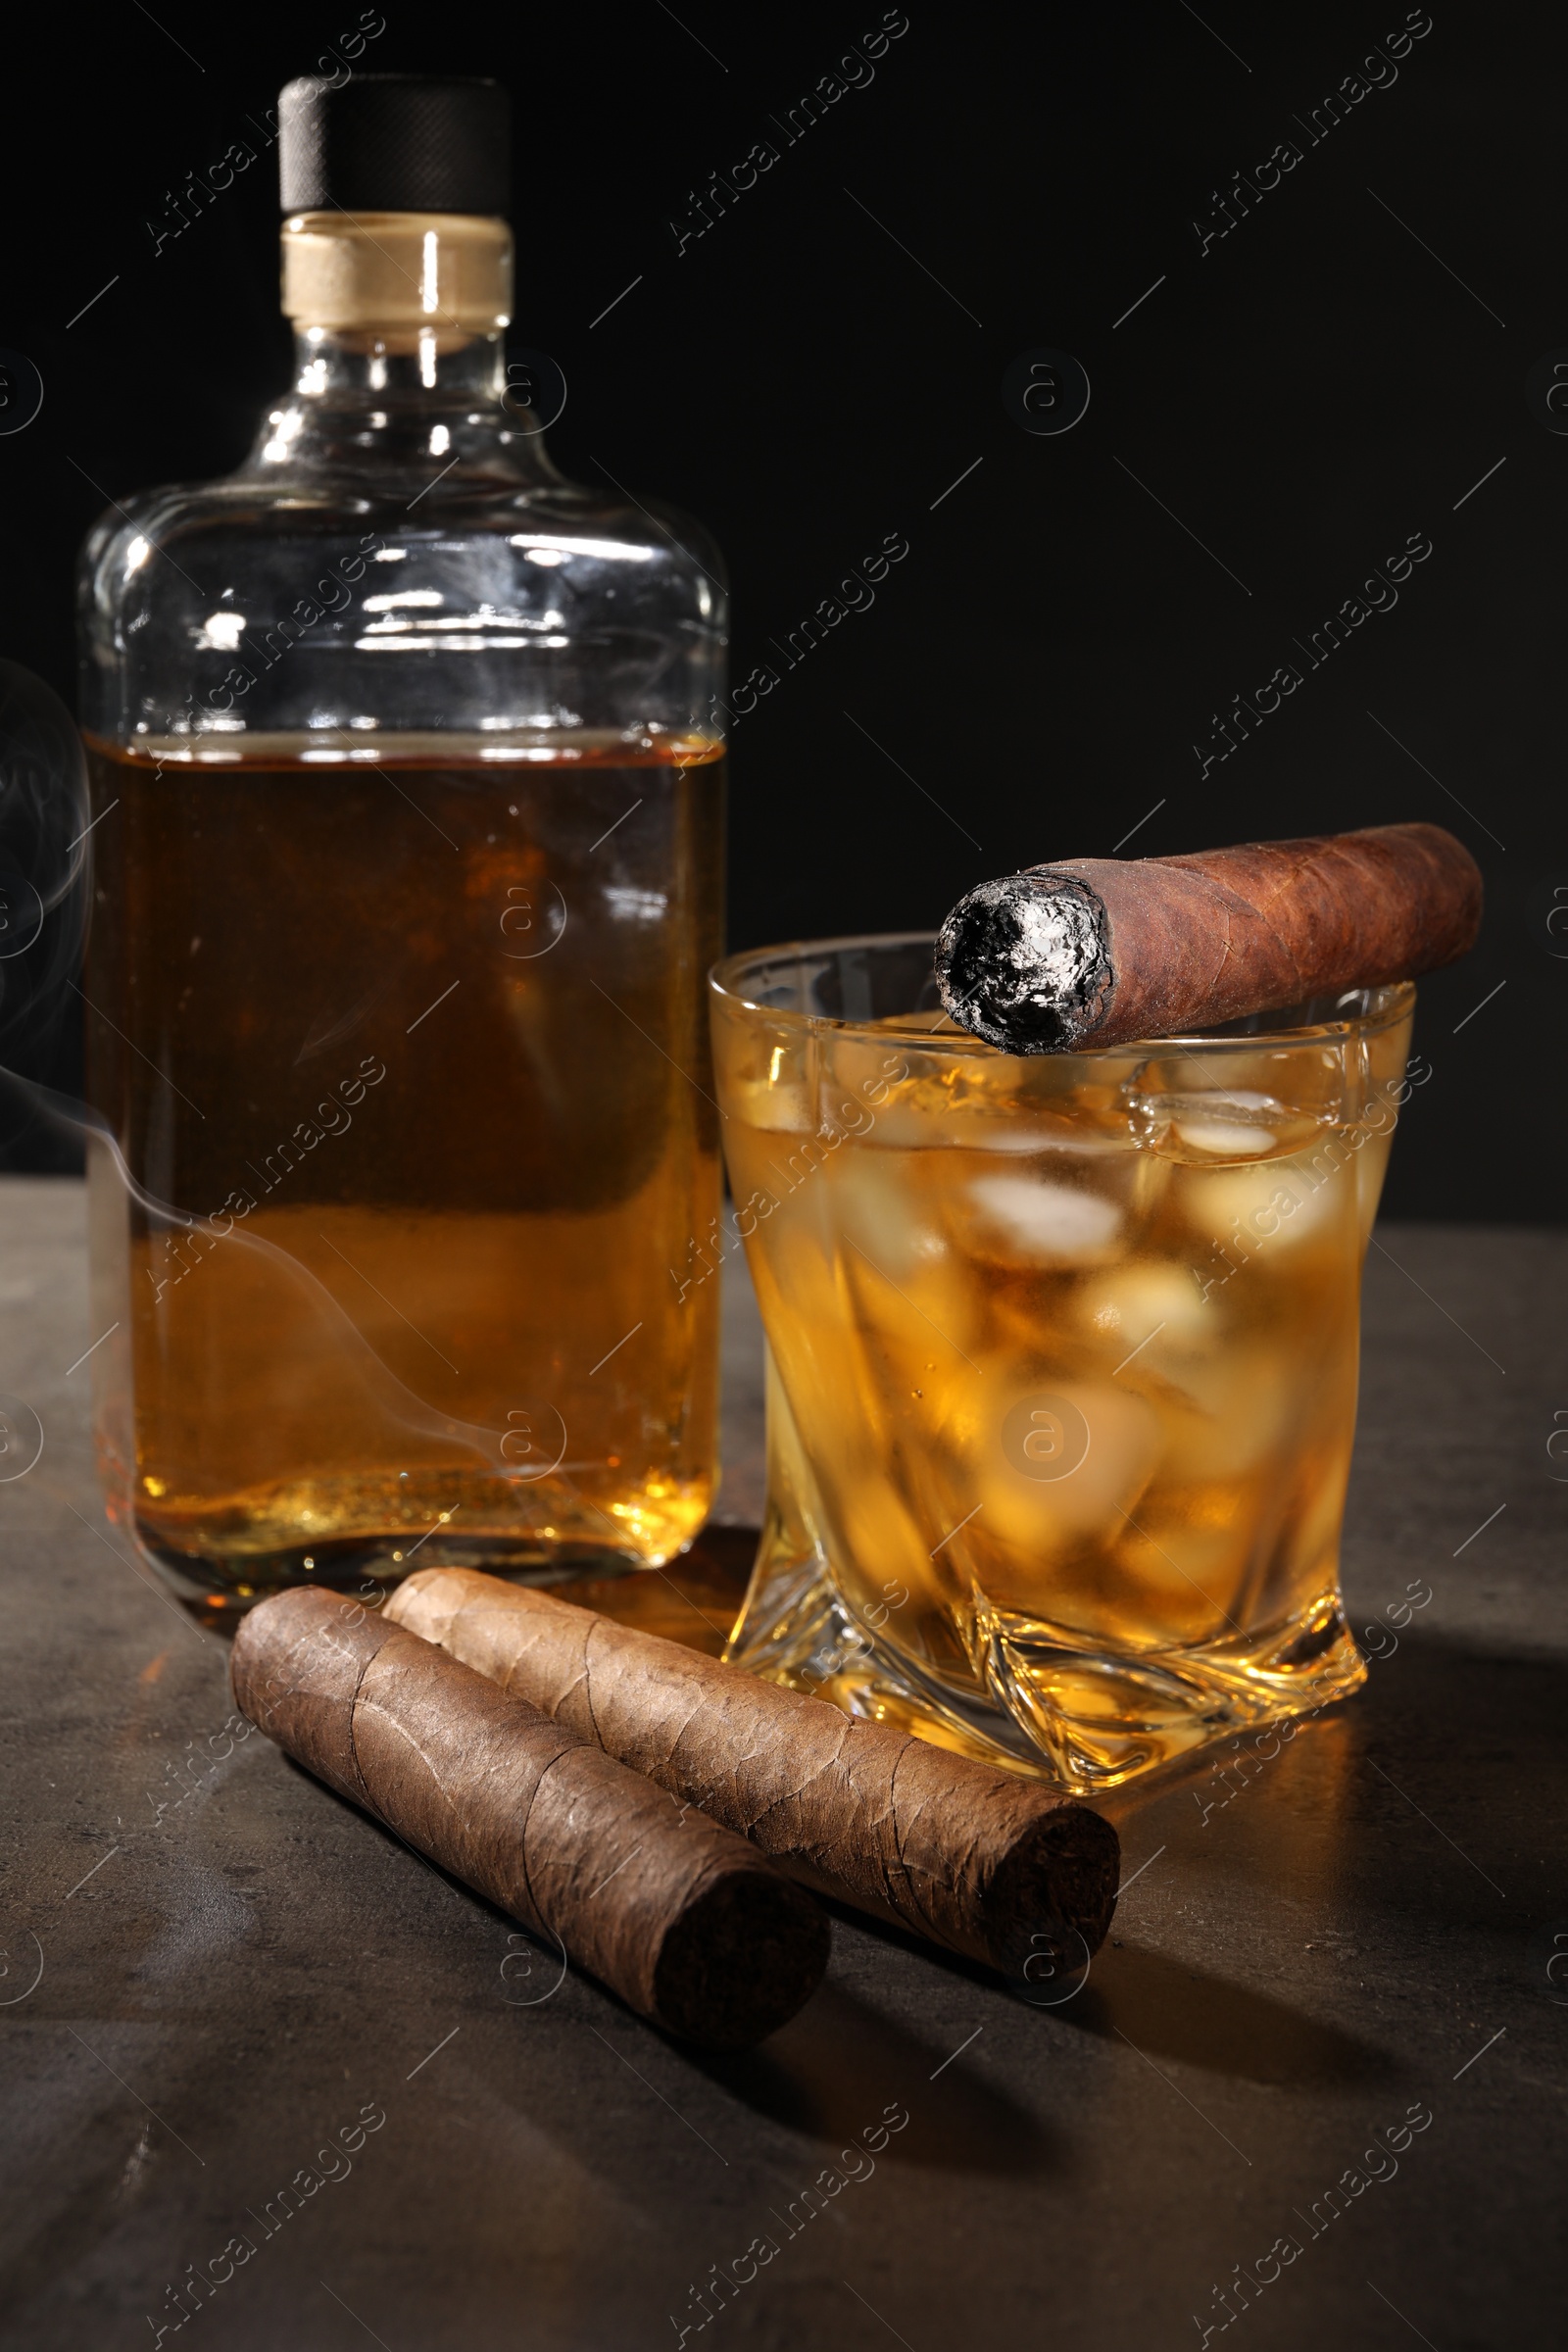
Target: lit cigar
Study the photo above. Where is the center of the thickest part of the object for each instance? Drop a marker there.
(1100, 950)
(682, 1919)
(974, 1858)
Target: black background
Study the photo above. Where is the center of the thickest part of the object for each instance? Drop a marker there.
(1320, 384)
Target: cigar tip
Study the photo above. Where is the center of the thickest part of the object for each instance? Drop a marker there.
(741, 1960)
(1022, 963)
(1054, 1892)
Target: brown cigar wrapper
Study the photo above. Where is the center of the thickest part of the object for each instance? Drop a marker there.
(1191, 942)
(682, 1919)
(1199, 940)
(968, 1856)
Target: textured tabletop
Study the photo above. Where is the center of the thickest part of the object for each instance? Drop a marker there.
(1312, 2091)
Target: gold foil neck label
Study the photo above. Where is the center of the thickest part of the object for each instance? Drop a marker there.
(441, 273)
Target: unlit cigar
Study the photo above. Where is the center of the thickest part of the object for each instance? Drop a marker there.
(1101, 950)
(682, 1919)
(977, 1859)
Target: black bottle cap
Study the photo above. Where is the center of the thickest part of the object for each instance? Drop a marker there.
(394, 143)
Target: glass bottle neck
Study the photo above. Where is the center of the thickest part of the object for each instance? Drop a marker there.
(376, 408)
(425, 368)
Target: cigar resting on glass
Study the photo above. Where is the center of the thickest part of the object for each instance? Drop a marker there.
(1090, 952)
(980, 1860)
(689, 1924)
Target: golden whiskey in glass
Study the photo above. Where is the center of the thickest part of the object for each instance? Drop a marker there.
(1062, 1357)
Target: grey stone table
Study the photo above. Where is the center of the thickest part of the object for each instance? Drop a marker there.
(1330, 2023)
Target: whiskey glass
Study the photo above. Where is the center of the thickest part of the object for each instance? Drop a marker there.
(1062, 1357)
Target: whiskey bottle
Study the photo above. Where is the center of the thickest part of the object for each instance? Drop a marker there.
(408, 827)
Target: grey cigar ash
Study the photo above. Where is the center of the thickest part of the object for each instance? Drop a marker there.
(1024, 963)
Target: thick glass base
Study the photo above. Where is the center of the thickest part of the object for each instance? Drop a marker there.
(1042, 1704)
(365, 1535)
(219, 1591)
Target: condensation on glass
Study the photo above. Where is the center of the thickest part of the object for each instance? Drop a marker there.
(1062, 1358)
(407, 825)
